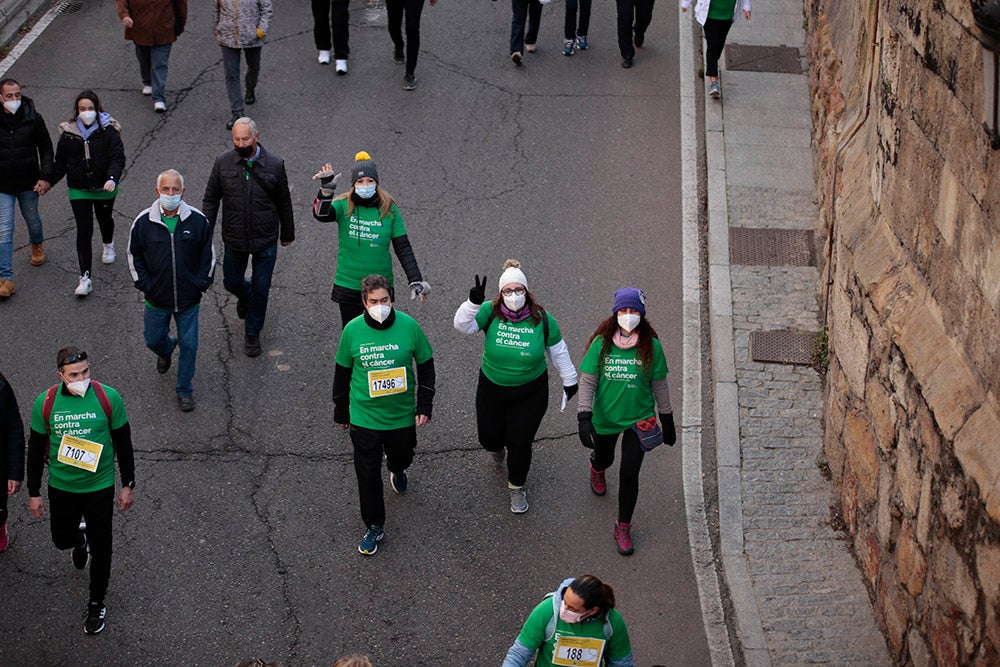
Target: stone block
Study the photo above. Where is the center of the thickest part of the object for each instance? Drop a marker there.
(908, 475)
(895, 614)
(848, 341)
(862, 454)
(882, 414)
(920, 655)
(910, 561)
(976, 447)
(953, 578)
(849, 502)
(877, 258)
(869, 553)
(926, 510)
(946, 215)
(884, 513)
(952, 494)
(988, 572)
(944, 641)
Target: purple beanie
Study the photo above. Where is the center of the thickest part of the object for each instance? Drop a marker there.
(630, 297)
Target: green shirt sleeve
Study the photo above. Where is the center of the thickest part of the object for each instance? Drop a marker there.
(343, 356)
(483, 316)
(591, 359)
(555, 335)
(37, 422)
(659, 361)
(533, 633)
(620, 645)
(422, 349)
(398, 228)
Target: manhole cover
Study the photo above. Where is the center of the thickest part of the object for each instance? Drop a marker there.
(782, 347)
(69, 7)
(771, 247)
(749, 58)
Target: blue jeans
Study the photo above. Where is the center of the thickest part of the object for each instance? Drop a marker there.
(153, 68)
(28, 201)
(254, 291)
(156, 331)
(231, 66)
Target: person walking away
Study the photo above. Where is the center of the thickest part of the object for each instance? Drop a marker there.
(576, 33)
(252, 186)
(80, 428)
(11, 453)
(513, 391)
(330, 28)
(24, 156)
(368, 221)
(716, 18)
(153, 26)
(634, 17)
(172, 260)
(241, 25)
(91, 155)
(521, 42)
(623, 378)
(374, 388)
(395, 10)
(576, 624)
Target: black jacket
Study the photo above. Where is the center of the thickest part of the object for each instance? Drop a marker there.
(255, 207)
(25, 148)
(11, 437)
(88, 163)
(171, 271)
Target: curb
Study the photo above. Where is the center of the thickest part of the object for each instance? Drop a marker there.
(14, 14)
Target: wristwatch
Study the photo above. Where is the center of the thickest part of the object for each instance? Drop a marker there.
(131, 484)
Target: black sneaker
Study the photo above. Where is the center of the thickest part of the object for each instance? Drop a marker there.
(251, 97)
(409, 82)
(252, 346)
(627, 62)
(397, 55)
(163, 364)
(185, 403)
(398, 482)
(81, 554)
(96, 612)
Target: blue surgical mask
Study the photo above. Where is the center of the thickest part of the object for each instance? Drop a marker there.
(364, 191)
(170, 202)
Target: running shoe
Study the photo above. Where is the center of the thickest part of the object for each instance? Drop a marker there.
(529, 48)
(398, 482)
(340, 66)
(108, 253)
(581, 42)
(323, 58)
(370, 540)
(715, 90)
(96, 612)
(568, 47)
(409, 82)
(623, 537)
(516, 57)
(598, 483)
(85, 287)
(518, 499)
(81, 554)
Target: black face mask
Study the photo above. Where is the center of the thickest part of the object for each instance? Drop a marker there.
(245, 151)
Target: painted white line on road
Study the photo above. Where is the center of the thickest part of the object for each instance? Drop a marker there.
(702, 556)
(27, 40)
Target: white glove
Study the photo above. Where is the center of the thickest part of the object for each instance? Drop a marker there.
(420, 288)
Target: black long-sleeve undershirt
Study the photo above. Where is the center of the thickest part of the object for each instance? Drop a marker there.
(121, 442)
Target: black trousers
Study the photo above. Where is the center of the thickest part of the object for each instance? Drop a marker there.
(331, 16)
(716, 31)
(97, 507)
(524, 10)
(369, 445)
(84, 211)
(628, 479)
(509, 417)
(395, 9)
(633, 15)
(570, 28)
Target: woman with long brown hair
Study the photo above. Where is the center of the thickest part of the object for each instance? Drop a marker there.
(623, 378)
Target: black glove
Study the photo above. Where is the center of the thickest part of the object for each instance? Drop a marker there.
(667, 424)
(571, 390)
(478, 293)
(587, 432)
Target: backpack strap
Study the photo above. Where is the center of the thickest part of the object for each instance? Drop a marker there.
(50, 400)
(102, 398)
(550, 627)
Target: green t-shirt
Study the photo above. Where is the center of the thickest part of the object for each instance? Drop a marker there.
(514, 353)
(363, 242)
(623, 394)
(383, 388)
(92, 195)
(722, 10)
(533, 633)
(84, 418)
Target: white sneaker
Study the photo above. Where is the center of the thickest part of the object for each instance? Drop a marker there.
(341, 66)
(529, 48)
(147, 90)
(108, 254)
(324, 58)
(159, 107)
(85, 287)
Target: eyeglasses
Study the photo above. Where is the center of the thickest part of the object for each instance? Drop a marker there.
(512, 291)
(74, 358)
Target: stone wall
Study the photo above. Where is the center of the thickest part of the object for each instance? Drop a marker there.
(909, 193)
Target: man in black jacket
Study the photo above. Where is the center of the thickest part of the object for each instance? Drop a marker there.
(256, 213)
(25, 154)
(172, 260)
(11, 453)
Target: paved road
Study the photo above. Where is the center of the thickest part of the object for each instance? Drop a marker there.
(243, 538)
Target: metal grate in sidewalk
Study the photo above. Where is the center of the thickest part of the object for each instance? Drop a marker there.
(782, 347)
(751, 58)
(69, 7)
(771, 247)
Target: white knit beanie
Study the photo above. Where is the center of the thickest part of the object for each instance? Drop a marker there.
(512, 274)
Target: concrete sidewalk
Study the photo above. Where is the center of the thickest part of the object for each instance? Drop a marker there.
(797, 592)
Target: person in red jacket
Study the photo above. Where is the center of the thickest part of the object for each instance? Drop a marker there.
(153, 26)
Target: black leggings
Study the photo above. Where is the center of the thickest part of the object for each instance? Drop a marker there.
(628, 478)
(97, 507)
(394, 10)
(509, 417)
(716, 31)
(84, 211)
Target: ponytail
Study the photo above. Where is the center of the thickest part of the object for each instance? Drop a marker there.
(594, 593)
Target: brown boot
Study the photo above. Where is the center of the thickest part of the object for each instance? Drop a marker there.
(37, 254)
(7, 288)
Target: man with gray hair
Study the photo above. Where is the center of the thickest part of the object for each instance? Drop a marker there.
(252, 186)
(172, 260)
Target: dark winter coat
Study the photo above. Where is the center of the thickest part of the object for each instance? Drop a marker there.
(88, 163)
(25, 148)
(256, 209)
(11, 437)
(154, 22)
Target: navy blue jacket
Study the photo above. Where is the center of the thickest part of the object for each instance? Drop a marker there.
(172, 270)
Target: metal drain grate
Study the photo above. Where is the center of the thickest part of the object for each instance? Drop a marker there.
(69, 7)
(782, 347)
(749, 58)
(771, 247)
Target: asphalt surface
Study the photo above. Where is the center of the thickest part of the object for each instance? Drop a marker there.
(243, 537)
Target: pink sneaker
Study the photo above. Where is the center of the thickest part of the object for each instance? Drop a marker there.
(623, 537)
(4, 537)
(598, 484)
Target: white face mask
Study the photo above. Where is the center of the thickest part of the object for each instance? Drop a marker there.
(12, 105)
(628, 321)
(88, 117)
(569, 616)
(170, 202)
(78, 388)
(514, 302)
(380, 312)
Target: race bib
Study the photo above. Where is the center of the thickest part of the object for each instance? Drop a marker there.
(80, 453)
(578, 651)
(386, 382)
